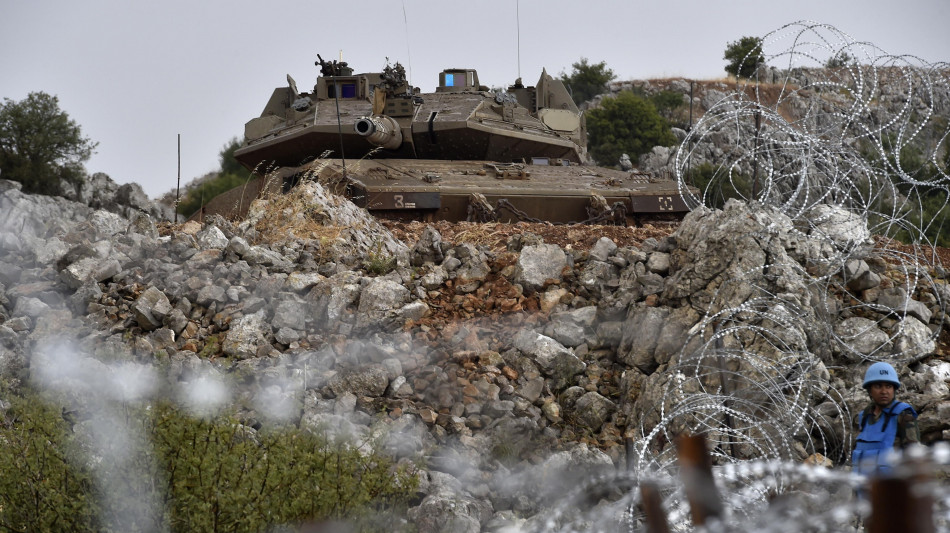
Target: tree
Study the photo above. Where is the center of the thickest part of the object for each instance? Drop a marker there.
(40, 146)
(625, 124)
(744, 57)
(842, 59)
(587, 81)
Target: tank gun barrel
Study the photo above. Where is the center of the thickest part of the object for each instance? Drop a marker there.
(380, 130)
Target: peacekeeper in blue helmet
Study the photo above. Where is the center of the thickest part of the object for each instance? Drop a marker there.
(885, 424)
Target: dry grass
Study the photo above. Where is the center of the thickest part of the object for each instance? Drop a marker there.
(292, 215)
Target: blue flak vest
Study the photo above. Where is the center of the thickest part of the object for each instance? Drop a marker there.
(877, 439)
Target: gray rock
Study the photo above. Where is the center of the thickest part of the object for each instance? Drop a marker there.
(151, 308)
(641, 333)
(245, 336)
(539, 263)
(896, 300)
(551, 356)
(914, 338)
(379, 300)
(211, 238)
(332, 297)
(592, 410)
(210, 294)
(286, 335)
(862, 336)
(603, 249)
(428, 249)
(368, 380)
(176, 321)
(302, 281)
(30, 307)
(291, 312)
(658, 263)
(107, 223)
(142, 224)
(87, 270)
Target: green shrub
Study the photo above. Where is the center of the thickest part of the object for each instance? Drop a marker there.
(378, 261)
(40, 488)
(203, 475)
(625, 124)
(717, 186)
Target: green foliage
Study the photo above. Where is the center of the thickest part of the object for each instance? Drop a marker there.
(626, 123)
(378, 261)
(717, 186)
(204, 475)
(230, 165)
(587, 80)
(40, 146)
(224, 476)
(231, 175)
(744, 57)
(669, 104)
(840, 60)
(40, 489)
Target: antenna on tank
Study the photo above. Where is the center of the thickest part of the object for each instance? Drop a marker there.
(518, 23)
(405, 21)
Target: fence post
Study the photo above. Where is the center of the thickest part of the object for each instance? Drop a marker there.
(696, 474)
(653, 509)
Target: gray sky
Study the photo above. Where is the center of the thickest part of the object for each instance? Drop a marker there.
(135, 74)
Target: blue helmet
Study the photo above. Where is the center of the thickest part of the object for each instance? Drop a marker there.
(881, 372)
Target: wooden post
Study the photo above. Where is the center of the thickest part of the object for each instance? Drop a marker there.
(696, 474)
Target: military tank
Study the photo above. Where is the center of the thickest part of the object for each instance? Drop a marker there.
(463, 152)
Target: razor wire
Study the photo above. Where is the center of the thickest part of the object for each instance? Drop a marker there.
(831, 133)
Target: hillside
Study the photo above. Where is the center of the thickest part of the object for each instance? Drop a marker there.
(497, 370)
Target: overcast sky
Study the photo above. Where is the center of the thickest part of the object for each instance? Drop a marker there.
(136, 74)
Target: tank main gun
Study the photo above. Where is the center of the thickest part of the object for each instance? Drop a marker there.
(379, 130)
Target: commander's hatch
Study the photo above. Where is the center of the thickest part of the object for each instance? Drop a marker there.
(353, 87)
(457, 80)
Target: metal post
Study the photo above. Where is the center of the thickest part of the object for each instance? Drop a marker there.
(653, 509)
(696, 474)
(178, 189)
(755, 155)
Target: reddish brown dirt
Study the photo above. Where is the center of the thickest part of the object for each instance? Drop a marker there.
(496, 235)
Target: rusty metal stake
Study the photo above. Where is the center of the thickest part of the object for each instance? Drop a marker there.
(696, 473)
(899, 502)
(653, 509)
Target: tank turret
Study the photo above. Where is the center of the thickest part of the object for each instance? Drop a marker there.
(353, 114)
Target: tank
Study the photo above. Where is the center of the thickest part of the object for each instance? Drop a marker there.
(463, 152)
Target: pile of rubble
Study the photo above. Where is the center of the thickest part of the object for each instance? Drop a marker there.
(499, 368)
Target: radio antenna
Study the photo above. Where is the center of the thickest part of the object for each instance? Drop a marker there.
(405, 21)
(518, 22)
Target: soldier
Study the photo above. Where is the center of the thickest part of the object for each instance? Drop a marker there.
(885, 424)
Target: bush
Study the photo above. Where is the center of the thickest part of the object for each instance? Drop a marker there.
(40, 488)
(717, 186)
(204, 475)
(625, 124)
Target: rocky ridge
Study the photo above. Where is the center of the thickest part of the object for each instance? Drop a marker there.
(500, 367)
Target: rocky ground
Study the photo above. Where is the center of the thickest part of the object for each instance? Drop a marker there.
(498, 357)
